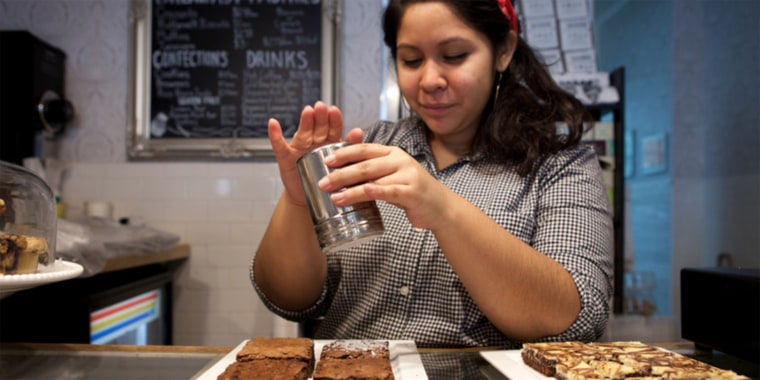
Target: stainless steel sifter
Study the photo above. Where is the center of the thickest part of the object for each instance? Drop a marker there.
(336, 227)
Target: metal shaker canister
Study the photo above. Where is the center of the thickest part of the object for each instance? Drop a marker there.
(336, 227)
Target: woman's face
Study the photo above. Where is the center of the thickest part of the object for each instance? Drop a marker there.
(445, 69)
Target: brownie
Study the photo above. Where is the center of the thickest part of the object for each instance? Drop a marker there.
(266, 369)
(277, 348)
(544, 357)
(300, 349)
(365, 368)
(615, 360)
(350, 349)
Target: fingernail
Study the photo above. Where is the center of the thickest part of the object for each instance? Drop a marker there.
(330, 159)
(337, 197)
(324, 182)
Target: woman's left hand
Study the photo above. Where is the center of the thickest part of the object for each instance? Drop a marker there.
(378, 172)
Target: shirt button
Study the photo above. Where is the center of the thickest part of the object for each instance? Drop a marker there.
(417, 229)
(404, 290)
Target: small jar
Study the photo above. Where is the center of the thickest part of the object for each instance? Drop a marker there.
(28, 221)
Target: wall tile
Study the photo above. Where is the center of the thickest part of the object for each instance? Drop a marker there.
(262, 211)
(254, 188)
(163, 188)
(207, 233)
(209, 188)
(83, 188)
(187, 210)
(245, 233)
(190, 299)
(117, 188)
(230, 256)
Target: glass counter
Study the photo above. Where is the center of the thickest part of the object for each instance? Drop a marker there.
(33, 361)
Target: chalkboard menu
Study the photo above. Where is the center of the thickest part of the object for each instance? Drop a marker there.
(220, 69)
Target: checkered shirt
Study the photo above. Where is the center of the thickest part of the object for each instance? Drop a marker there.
(401, 287)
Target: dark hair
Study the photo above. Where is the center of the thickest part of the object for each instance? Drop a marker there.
(520, 125)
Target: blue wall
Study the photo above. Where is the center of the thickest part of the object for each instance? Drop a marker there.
(637, 36)
(692, 73)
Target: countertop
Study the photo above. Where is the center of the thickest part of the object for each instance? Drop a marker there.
(84, 361)
(178, 252)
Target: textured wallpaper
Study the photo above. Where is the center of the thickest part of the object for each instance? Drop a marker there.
(95, 36)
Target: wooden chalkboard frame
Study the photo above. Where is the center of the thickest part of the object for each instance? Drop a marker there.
(140, 144)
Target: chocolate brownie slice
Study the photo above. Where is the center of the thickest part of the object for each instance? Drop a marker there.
(277, 348)
(301, 349)
(365, 368)
(266, 369)
(350, 349)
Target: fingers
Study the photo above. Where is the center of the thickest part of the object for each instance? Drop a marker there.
(358, 152)
(303, 138)
(355, 136)
(358, 164)
(276, 139)
(335, 124)
(366, 192)
(319, 125)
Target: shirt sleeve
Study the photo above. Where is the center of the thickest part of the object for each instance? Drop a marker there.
(574, 227)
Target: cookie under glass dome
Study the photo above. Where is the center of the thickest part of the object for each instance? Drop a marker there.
(28, 221)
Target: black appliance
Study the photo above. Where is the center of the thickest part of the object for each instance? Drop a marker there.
(32, 103)
(720, 310)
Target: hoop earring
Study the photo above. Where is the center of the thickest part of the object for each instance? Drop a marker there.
(498, 85)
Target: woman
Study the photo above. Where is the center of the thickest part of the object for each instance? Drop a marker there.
(497, 227)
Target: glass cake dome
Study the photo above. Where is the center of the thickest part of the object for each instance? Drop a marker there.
(28, 221)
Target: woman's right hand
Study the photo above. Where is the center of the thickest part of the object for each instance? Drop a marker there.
(319, 125)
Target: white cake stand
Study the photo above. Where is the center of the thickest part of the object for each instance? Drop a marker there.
(60, 270)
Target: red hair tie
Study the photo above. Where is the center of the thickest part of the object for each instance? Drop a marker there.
(509, 11)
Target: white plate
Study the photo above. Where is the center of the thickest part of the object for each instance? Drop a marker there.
(59, 271)
(511, 365)
(405, 360)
